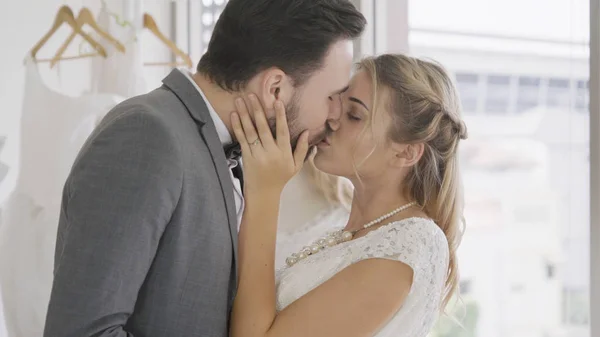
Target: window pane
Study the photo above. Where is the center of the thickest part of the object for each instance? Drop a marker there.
(497, 94)
(528, 93)
(211, 10)
(559, 94)
(468, 87)
(582, 96)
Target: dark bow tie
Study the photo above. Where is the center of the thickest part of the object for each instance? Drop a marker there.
(233, 151)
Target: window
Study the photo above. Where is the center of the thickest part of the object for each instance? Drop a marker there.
(576, 300)
(528, 93)
(559, 93)
(466, 287)
(582, 97)
(550, 270)
(497, 94)
(211, 10)
(468, 88)
(525, 165)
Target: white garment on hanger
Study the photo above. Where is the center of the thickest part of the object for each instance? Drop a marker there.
(119, 73)
(53, 129)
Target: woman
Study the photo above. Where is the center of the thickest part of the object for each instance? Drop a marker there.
(393, 267)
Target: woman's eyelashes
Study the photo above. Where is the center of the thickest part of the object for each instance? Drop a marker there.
(352, 115)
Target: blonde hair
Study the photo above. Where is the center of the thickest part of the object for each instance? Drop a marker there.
(425, 108)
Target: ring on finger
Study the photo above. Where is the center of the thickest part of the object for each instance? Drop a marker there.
(256, 142)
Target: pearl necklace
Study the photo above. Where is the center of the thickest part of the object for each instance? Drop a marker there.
(338, 237)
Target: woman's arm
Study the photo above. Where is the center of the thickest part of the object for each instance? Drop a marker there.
(254, 306)
(268, 165)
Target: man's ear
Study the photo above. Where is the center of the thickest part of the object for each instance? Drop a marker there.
(272, 87)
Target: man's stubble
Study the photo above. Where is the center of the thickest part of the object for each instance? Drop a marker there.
(292, 112)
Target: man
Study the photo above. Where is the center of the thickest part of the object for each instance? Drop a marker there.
(147, 236)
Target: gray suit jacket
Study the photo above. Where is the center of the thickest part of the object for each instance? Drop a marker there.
(148, 232)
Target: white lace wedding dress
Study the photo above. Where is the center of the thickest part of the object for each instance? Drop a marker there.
(417, 242)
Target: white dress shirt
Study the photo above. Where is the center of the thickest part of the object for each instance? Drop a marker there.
(226, 139)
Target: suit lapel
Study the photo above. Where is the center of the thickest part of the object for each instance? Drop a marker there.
(181, 86)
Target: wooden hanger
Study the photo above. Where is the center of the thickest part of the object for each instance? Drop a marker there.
(86, 17)
(65, 15)
(150, 24)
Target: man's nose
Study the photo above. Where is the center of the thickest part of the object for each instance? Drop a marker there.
(335, 113)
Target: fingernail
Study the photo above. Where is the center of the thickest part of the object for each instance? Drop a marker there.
(279, 104)
(251, 96)
(239, 101)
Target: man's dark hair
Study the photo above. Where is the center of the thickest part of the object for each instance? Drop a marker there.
(293, 35)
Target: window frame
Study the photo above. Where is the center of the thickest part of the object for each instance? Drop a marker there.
(594, 104)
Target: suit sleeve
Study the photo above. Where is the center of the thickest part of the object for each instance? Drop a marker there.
(117, 201)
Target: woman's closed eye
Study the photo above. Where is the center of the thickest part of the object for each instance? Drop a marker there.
(352, 115)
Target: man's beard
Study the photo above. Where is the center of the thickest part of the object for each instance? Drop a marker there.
(292, 112)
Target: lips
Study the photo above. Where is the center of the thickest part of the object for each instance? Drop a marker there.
(324, 142)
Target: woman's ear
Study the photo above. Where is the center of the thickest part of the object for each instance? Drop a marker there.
(407, 155)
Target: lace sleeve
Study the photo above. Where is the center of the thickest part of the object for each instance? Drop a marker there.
(419, 243)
